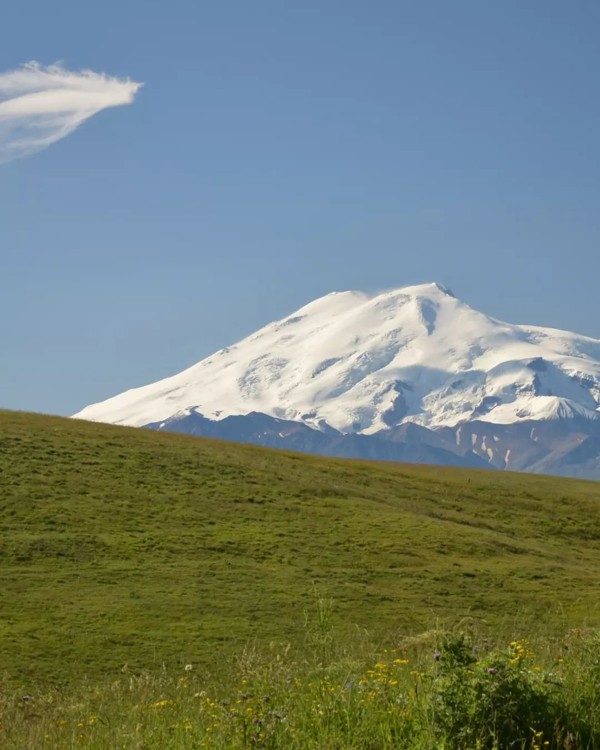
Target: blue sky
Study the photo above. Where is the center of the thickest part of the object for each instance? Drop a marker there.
(281, 150)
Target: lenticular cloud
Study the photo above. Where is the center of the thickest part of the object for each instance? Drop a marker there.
(39, 106)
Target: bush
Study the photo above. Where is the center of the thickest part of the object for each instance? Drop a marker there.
(501, 700)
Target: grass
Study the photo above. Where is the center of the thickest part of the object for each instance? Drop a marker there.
(442, 690)
(128, 549)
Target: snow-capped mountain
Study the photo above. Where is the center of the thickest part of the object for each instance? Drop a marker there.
(353, 364)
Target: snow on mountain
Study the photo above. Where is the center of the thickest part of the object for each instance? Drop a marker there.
(365, 363)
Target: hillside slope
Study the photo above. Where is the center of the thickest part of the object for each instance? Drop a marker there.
(131, 546)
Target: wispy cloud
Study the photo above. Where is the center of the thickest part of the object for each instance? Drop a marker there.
(40, 105)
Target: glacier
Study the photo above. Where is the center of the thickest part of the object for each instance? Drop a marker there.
(361, 363)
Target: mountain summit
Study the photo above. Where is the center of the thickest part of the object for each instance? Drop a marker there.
(362, 363)
(356, 364)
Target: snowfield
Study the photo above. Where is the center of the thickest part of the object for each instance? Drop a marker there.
(362, 363)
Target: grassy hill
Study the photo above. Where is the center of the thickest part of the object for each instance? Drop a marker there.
(128, 546)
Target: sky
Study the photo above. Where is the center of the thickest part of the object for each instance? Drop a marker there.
(278, 151)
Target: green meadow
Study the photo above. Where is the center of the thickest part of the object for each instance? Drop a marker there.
(150, 581)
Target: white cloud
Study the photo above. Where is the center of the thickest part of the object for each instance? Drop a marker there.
(39, 106)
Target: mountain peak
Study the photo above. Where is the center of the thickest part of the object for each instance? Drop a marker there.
(363, 363)
(426, 289)
(414, 290)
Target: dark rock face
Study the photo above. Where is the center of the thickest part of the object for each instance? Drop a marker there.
(410, 443)
(566, 447)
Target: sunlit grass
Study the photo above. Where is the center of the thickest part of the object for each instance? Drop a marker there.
(441, 690)
(453, 606)
(122, 546)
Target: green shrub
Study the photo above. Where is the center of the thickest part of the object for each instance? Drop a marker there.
(497, 701)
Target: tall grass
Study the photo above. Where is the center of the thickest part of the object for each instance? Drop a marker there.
(448, 691)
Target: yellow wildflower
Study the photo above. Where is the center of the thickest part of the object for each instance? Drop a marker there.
(161, 703)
